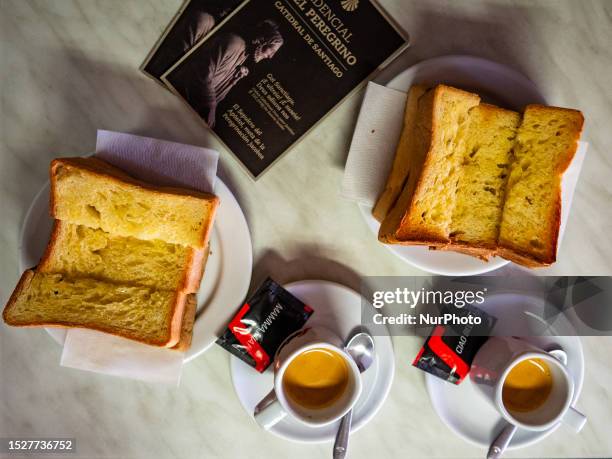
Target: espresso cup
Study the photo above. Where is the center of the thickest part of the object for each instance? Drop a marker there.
(315, 380)
(531, 388)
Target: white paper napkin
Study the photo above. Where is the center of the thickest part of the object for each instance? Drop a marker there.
(161, 163)
(376, 135)
(372, 149)
(103, 353)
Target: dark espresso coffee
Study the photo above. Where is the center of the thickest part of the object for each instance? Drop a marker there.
(527, 386)
(316, 378)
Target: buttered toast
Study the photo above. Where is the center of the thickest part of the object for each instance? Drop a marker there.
(124, 257)
(481, 187)
(91, 192)
(479, 179)
(545, 146)
(77, 250)
(422, 213)
(134, 312)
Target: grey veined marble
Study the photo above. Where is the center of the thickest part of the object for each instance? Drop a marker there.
(71, 67)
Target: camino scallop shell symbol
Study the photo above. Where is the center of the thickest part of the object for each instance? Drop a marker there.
(350, 5)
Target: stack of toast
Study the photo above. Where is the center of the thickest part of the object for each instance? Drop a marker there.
(124, 258)
(478, 179)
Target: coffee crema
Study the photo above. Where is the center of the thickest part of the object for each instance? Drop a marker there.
(527, 386)
(316, 378)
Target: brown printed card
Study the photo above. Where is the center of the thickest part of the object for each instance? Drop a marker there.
(274, 68)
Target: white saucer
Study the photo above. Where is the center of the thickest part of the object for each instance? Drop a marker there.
(463, 409)
(495, 83)
(339, 309)
(225, 282)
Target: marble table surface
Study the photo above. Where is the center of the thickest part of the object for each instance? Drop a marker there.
(71, 67)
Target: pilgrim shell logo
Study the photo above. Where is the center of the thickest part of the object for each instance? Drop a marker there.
(349, 5)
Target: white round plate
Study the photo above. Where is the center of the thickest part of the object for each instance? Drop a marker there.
(339, 309)
(467, 413)
(226, 279)
(496, 84)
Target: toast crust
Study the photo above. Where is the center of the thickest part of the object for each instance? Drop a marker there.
(22, 284)
(43, 264)
(397, 216)
(405, 232)
(192, 276)
(187, 325)
(515, 255)
(398, 175)
(190, 310)
(105, 170)
(176, 322)
(481, 251)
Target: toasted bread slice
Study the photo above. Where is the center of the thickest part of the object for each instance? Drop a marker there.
(480, 192)
(134, 312)
(545, 146)
(401, 162)
(80, 251)
(91, 192)
(423, 211)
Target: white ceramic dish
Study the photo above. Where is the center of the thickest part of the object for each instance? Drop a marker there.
(339, 309)
(228, 269)
(495, 83)
(467, 413)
